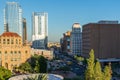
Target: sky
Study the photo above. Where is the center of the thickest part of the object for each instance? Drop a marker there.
(62, 14)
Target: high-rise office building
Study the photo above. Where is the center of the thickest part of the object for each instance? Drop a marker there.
(103, 37)
(13, 18)
(76, 39)
(65, 42)
(39, 30)
(24, 31)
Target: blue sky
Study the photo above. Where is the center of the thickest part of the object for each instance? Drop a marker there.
(63, 13)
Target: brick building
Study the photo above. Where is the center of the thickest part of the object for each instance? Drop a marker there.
(103, 37)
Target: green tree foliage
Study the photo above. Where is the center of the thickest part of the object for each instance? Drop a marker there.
(25, 67)
(79, 58)
(98, 74)
(38, 64)
(4, 73)
(107, 73)
(89, 73)
(93, 70)
(43, 64)
(35, 64)
(33, 61)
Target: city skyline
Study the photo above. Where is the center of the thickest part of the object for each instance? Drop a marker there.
(62, 14)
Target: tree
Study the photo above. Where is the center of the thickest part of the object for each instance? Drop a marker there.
(25, 67)
(43, 64)
(89, 73)
(93, 70)
(4, 73)
(79, 58)
(107, 73)
(33, 61)
(98, 75)
(38, 64)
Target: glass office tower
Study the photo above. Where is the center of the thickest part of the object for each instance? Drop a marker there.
(39, 30)
(76, 39)
(13, 18)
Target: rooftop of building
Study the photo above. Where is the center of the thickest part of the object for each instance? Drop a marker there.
(68, 33)
(104, 22)
(76, 25)
(40, 13)
(107, 22)
(9, 34)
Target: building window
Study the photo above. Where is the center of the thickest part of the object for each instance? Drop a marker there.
(19, 55)
(8, 41)
(3, 41)
(12, 41)
(19, 52)
(15, 52)
(11, 52)
(0, 55)
(5, 55)
(19, 41)
(26, 52)
(5, 52)
(16, 41)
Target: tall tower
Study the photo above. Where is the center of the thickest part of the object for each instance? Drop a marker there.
(24, 31)
(13, 18)
(40, 30)
(76, 39)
